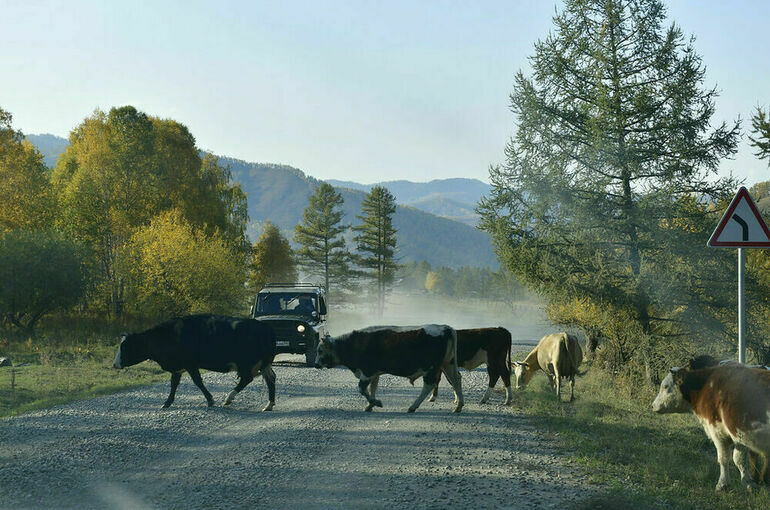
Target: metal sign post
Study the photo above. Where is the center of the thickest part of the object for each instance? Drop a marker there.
(741, 227)
(741, 307)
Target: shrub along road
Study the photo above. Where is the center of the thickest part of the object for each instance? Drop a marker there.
(317, 449)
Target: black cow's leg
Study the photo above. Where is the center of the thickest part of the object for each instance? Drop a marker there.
(195, 375)
(269, 376)
(175, 378)
(453, 376)
(505, 374)
(429, 382)
(244, 378)
(435, 390)
(373, 383)
(363, 383)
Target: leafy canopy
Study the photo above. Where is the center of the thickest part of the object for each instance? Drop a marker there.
(272, 259)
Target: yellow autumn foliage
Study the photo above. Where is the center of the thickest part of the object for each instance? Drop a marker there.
(176, 270)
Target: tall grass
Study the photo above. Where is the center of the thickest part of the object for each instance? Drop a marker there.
(646, 460)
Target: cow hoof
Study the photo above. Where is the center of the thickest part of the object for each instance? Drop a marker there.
(411, 410)
(368, 409)
(377, 403)
(225, 403)
(721, 487)
(210, 403)
(458, 409)
(166, 405)
(507, 402)
(432, 399)
(269, 407)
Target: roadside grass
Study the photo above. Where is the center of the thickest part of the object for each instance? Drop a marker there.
(70, 359)
(646, 460)
(67, 375)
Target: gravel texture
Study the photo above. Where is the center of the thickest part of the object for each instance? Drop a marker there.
(316, 449)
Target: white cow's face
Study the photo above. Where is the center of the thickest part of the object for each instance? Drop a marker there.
(519, 370)
(326, 358)
(670, 398)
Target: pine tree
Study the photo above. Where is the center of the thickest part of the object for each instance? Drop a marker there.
(760, 127)
(376, 240)
(322, 249)
(606, 189)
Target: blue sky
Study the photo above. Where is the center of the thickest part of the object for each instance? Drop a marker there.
(357, 90)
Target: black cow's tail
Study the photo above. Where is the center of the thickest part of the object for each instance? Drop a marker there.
(510, 347)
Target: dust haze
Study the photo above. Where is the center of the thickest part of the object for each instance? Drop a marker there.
(525, 320)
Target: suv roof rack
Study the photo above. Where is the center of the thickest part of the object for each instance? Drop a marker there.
(291, 285)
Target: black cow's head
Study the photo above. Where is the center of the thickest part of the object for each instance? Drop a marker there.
(326, 357)
(132, 350)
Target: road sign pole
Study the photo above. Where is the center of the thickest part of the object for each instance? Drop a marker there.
(741, 308)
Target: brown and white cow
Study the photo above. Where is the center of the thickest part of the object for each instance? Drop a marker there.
(485, 345)
(412, 352)
(558, 355)
(732, 403)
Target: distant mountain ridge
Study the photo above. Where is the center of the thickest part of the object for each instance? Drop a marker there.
(50, 146)
(454, 198)
(279, 193)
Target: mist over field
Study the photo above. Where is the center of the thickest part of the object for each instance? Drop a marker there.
(524, 319)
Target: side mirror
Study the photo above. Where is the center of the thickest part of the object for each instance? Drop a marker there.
(314, 314)
(251, 311)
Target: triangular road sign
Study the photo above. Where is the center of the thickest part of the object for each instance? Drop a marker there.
(741, 226)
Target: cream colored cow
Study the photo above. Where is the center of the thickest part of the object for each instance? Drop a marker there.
(558, 355)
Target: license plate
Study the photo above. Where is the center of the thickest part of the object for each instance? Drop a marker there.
(282, 343)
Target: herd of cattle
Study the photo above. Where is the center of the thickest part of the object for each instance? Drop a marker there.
(731, 400)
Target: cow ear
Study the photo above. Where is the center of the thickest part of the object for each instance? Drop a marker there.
(678, 374)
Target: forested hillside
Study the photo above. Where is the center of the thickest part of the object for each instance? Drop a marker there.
(279, 193)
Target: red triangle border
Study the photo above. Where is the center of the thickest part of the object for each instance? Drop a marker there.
(742, 193)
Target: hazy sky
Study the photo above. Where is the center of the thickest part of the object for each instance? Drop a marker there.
(356, 90)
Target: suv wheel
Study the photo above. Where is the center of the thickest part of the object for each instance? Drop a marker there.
(310, 353)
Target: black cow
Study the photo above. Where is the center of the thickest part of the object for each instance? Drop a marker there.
(485, 345)
(211, 342)
(412, 352)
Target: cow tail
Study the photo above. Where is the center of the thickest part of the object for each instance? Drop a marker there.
(454, 349)
(510, 347)
(576, 356)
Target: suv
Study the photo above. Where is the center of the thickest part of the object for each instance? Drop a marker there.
(297, 314)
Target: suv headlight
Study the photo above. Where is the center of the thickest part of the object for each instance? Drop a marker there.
(301, 328)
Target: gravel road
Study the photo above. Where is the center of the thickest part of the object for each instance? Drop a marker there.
(317, 449)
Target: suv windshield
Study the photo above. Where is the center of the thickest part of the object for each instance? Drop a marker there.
(288, 302)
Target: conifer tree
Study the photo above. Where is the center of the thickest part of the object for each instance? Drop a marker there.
(322, 249)
(606, 191)
(376, 240)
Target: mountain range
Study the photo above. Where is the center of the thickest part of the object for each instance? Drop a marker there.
(449, 198)
(434, 220)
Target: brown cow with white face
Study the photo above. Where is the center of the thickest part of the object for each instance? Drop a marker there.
(732, 403)
(558, 355)
(411, 351)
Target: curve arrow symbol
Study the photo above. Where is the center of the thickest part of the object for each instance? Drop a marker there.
(744, 226)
